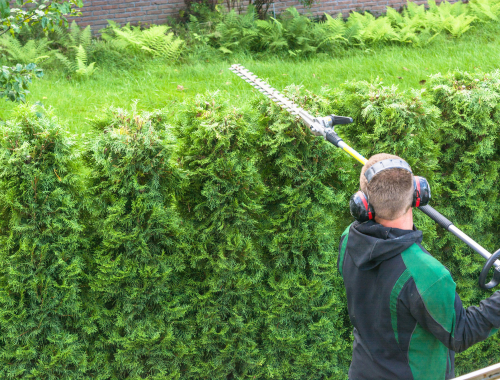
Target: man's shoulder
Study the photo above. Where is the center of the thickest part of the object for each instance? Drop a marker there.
(426, 271)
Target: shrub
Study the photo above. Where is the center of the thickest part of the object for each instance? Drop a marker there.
(138, 293)
(42, 269)
(223, 201)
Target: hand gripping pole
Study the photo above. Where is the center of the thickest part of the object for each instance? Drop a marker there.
(324, 126)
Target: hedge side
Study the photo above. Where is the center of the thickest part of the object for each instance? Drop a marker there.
(202, 243)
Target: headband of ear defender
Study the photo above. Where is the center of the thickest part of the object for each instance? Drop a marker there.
(380, 166)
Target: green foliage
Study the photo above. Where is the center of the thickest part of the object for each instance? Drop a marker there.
(46, 13)
(77, 45)
(70, 38)
(79, 66)
(297, 35)
(207, 249)
(14, 81)
(41, 263)
(235, 32)
(138, 293)
(153, 40)
(266, 270)
(32, 51)
(485, 10)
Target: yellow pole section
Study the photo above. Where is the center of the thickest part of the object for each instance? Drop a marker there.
(354, 154)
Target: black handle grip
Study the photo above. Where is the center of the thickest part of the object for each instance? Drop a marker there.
(332, 137)
(436, 216)
(484, 273)
(336, 120)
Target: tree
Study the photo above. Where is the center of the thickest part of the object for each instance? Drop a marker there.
(14, 81)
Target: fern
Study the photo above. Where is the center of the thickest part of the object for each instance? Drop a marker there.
(83, 70)
(32, 51)
(332, 31)
(79, 65)
(298, 32)
(74, 36)
(271, 35)
(485, 10)
(68, 65)
(448, 17)
(236, 32)
(153, 40)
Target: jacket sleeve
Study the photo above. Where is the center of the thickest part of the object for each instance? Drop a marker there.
(457, 328)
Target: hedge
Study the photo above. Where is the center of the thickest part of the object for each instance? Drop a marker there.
(201, 242)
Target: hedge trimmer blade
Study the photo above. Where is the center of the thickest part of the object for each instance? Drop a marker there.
(324, 126)
(273, 94)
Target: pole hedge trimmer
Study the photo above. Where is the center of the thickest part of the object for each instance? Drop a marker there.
(324, 126)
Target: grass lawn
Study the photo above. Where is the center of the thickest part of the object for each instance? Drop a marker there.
(155, 84)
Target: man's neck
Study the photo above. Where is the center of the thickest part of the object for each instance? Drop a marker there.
(404, 222)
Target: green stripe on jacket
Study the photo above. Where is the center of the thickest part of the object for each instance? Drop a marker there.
(398, 286)
(427, 355)
(345, 235)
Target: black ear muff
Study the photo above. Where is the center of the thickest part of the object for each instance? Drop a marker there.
(361, 210)
(422, 192)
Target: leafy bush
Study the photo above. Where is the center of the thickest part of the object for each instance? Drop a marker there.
(138, 294)
(42, 268)
(14, 81)
(44, 13)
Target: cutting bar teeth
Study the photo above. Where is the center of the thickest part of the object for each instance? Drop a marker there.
(265, 89)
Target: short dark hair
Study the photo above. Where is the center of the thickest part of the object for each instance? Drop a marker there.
(390, 192)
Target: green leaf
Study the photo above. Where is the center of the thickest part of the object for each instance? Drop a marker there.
(4, 9)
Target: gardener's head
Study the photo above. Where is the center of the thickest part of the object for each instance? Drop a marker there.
(390, 192)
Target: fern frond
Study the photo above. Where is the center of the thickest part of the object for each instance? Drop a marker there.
(74, 34)
(86, 38)
(62, 36)
(85, 71)
(332, 30)
(81, 55)
(70, 66)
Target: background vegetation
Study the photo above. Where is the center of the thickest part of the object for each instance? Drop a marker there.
(124, 72)
(195, 236)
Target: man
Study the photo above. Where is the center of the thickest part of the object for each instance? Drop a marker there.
(408, 320)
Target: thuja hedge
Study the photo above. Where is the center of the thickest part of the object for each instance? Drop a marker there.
(201, 242)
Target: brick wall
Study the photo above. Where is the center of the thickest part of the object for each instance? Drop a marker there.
(334, 7)
(96, 12)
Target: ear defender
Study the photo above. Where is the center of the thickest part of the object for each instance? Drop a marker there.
(421, 193)
(363, 211)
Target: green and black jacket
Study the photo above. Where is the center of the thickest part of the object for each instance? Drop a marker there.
(408, 320)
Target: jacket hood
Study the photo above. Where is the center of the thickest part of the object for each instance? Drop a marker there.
(370, 243)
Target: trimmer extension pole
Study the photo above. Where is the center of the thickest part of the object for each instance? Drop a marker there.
(324, 126)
